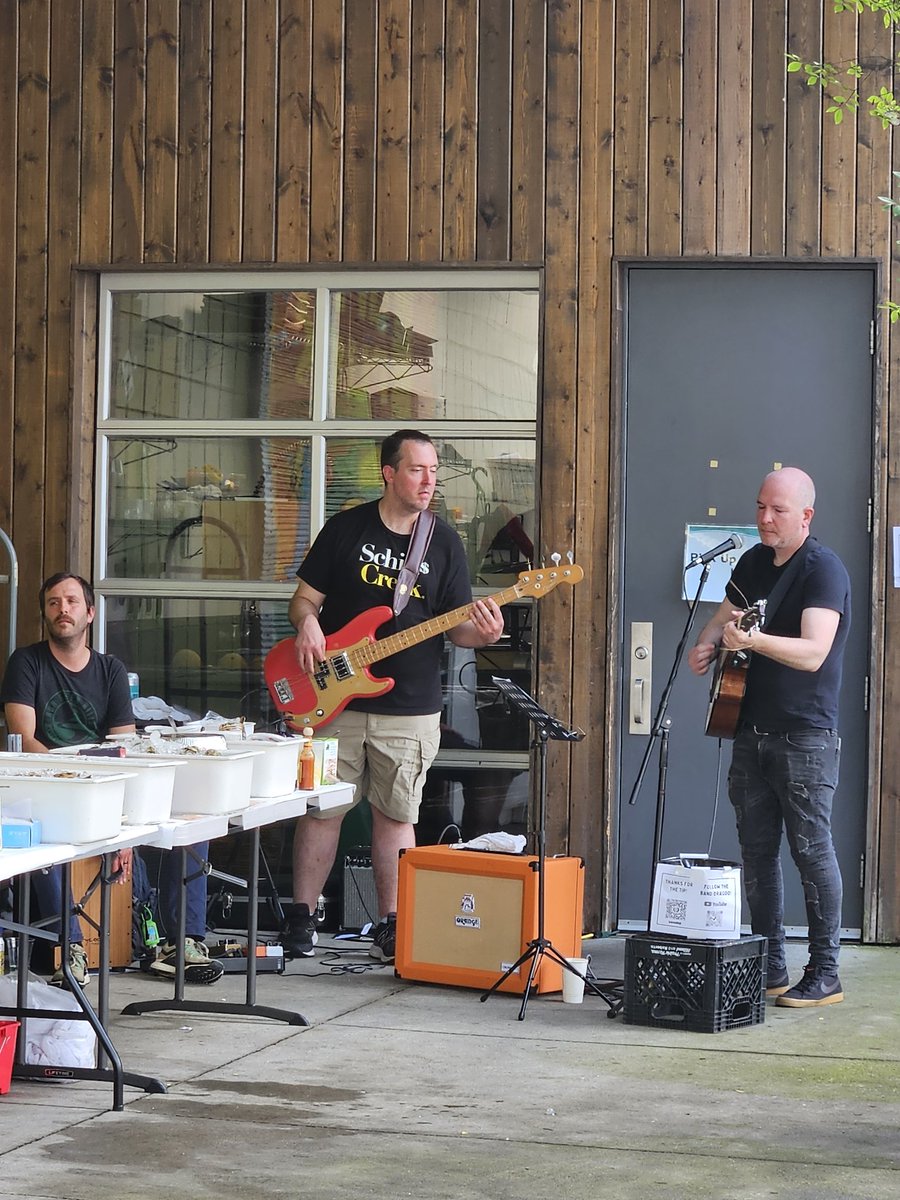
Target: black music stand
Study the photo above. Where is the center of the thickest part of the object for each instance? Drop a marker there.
(546, 728)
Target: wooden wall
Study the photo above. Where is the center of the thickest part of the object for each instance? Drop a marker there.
(558, 133)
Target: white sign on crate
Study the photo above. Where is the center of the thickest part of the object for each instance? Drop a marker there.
(696, 896)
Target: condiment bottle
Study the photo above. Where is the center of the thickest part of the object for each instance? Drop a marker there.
(307, 762)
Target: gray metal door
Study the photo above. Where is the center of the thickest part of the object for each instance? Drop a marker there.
(730, 371)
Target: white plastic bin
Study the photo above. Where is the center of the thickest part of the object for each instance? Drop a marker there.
(148, 785)
(82, 808)
(207, 783)
(275, 768)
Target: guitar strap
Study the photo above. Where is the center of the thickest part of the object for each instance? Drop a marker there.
(418, 548)
(779, 591)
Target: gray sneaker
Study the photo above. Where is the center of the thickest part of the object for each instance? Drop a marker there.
(817, 987)
(78, 965)
(198, 966)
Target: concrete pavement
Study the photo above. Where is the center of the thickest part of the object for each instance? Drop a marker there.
(405, 1089)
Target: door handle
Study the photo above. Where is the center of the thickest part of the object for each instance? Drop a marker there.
(640, 676)
(637, 708)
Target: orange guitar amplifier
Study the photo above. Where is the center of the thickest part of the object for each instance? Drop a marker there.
(465, 916)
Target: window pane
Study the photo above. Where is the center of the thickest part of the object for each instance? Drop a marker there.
(476, 715)
(475, 799)
(196, 355)
(207, 508)
(410, 357)
(200, 655)
(486, 489)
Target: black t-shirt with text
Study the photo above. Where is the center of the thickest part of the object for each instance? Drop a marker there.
(354, 562)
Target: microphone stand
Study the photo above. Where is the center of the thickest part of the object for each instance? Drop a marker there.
(660, 733)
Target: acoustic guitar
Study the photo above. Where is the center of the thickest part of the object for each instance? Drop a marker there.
(343, 675)
(729, 682)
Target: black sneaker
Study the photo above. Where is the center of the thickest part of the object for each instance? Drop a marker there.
(777, 981)
(298, 933)
(817, 987)
(384, 939)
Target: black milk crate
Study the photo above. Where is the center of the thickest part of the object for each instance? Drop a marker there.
(698, 985)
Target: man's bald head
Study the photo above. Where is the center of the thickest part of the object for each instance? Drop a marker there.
(799, 485)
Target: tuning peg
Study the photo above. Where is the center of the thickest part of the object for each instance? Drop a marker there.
(570, 556)
(556, 558)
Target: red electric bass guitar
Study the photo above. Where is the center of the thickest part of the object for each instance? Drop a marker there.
(343, 674)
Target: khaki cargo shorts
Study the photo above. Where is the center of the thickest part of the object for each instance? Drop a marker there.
(387, 757)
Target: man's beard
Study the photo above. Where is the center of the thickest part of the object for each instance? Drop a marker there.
(65, 635)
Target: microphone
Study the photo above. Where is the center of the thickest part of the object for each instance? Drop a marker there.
(731, 543)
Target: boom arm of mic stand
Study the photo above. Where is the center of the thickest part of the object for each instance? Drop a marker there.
(660, 718)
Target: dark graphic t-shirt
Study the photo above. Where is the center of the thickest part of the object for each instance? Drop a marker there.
(354, 562)
(71, 707)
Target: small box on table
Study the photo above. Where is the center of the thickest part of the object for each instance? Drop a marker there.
(326, 752)
(698, 985)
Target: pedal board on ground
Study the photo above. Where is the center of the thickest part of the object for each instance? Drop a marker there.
(233, 958)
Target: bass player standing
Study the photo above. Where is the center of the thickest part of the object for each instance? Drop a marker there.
(386, 742)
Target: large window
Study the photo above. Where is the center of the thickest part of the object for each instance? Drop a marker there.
(238, 412)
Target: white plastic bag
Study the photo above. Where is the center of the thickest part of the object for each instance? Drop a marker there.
(51, 1043)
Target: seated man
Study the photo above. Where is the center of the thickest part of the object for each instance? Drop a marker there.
(60, 692)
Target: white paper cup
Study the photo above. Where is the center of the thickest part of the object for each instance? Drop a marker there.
(573, 985)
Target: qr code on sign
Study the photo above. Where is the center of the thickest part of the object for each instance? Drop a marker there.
(676, 911)
(713, 918)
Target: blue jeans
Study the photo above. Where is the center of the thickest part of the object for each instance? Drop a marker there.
(787, 781)
(163, 869)
(46, 888)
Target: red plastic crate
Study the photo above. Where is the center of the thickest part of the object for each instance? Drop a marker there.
(8, 1032)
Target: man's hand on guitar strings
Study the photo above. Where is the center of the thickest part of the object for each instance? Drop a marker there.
(736, 638)
(701, 656)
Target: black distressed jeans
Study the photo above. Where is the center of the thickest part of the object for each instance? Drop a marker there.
(786, 781)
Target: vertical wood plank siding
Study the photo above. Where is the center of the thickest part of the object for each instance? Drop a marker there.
(358, 215)
(193, 49)
(64, 149)
(161, 145)
(392, 139)
(32, 236)
(260, 122)
(554, 133)
(9, 70)
(294, 113)
(426, 159)
(767, 135)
